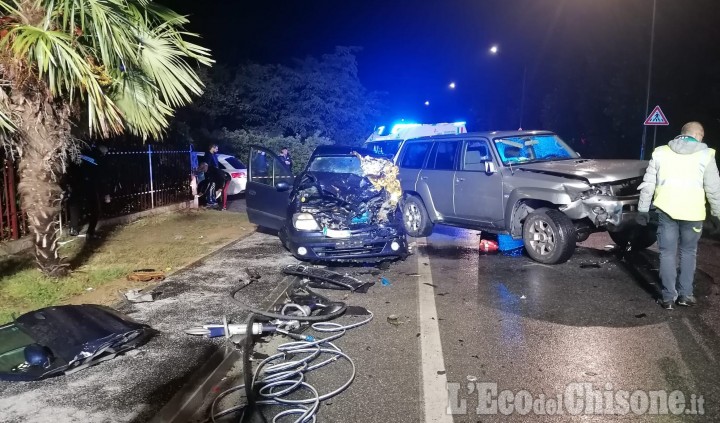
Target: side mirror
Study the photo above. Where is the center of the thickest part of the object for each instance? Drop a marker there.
(282, 186)
(490, 168)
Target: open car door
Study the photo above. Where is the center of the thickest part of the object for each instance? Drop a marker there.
(268, 188)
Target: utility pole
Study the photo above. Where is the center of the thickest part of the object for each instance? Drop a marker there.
(522, 97)
(649, 80)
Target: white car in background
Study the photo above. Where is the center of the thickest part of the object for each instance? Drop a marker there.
(233, 167)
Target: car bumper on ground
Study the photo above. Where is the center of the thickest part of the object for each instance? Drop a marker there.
(362, 246)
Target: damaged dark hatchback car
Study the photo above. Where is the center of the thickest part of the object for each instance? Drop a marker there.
(342, 207)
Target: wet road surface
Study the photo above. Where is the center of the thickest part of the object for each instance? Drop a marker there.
(588, 330)
(465, 324)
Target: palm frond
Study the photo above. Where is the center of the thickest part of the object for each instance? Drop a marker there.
(138, 100)
(128, 61)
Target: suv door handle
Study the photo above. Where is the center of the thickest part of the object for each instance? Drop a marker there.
(424, 178)
(459, 179)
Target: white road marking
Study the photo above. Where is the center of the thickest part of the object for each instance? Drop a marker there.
(435, 394)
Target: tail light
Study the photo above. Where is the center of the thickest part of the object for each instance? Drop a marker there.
(237, 175)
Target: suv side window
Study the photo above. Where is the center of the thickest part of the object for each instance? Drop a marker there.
(414, 156)
(443, 155)
(476, 154)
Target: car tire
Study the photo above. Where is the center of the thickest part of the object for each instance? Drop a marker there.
(638, 237)
(415, 217)
(549, 236)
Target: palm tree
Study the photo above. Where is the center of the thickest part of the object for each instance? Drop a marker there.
(105, 67)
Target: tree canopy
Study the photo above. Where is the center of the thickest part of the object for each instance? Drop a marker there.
(311, 97)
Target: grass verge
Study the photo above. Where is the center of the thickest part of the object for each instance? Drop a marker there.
(166, 242)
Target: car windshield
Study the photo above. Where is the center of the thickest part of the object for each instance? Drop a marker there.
(533, 148)
(383, 148)
(336, 164)
(234, 163)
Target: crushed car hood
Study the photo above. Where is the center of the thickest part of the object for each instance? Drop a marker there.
(348, 200)
(339, 200)
(591, 171)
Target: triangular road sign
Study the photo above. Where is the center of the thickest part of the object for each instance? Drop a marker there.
(657, 118)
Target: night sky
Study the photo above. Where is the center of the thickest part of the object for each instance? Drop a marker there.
(412, 50)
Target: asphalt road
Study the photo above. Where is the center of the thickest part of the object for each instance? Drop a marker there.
(464, 324)
(588, 330)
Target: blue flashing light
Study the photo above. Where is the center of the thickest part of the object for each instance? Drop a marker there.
(400, 126)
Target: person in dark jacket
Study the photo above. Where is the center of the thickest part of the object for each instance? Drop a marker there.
(213, 174)
(286, 159)
(83, 190)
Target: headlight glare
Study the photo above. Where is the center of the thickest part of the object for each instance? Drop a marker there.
(305, 222)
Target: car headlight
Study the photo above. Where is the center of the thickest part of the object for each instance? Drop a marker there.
(585, 192)
(305, 222)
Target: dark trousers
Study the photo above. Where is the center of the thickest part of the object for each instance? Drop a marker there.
(670, 233)
(87, 203)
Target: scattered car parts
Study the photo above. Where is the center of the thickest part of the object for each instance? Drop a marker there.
(64, 339)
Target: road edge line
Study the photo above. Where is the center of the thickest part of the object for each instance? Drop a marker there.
(434, 379)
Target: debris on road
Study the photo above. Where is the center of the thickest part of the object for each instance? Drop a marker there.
(591, 265)
(65, 339)
(137, 296)
(301, 309)
(326, 279)
(253, 273)
(394, 319)
(506, 244)
(488, 246)
(146, 275)
(385, 282)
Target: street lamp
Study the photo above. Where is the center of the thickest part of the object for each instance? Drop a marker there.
(494, 49)
(452, 85)
(427, 103)
(649, 80)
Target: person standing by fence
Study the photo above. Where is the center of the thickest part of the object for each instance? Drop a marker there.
(213, 174)
(83, 191)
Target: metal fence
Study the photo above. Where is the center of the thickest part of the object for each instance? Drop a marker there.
(144, 179)
(135, 181)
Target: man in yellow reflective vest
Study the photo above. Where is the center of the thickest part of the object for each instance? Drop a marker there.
(678, 179)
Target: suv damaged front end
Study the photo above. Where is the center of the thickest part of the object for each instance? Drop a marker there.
(612, 205)
(346, 216)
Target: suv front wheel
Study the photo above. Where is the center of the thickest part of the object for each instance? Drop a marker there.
(549, 236)
(415, 217)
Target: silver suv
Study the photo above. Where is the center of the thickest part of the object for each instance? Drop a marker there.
(528, 184)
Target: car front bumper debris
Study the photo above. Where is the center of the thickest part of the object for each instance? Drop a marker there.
(604, 211)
